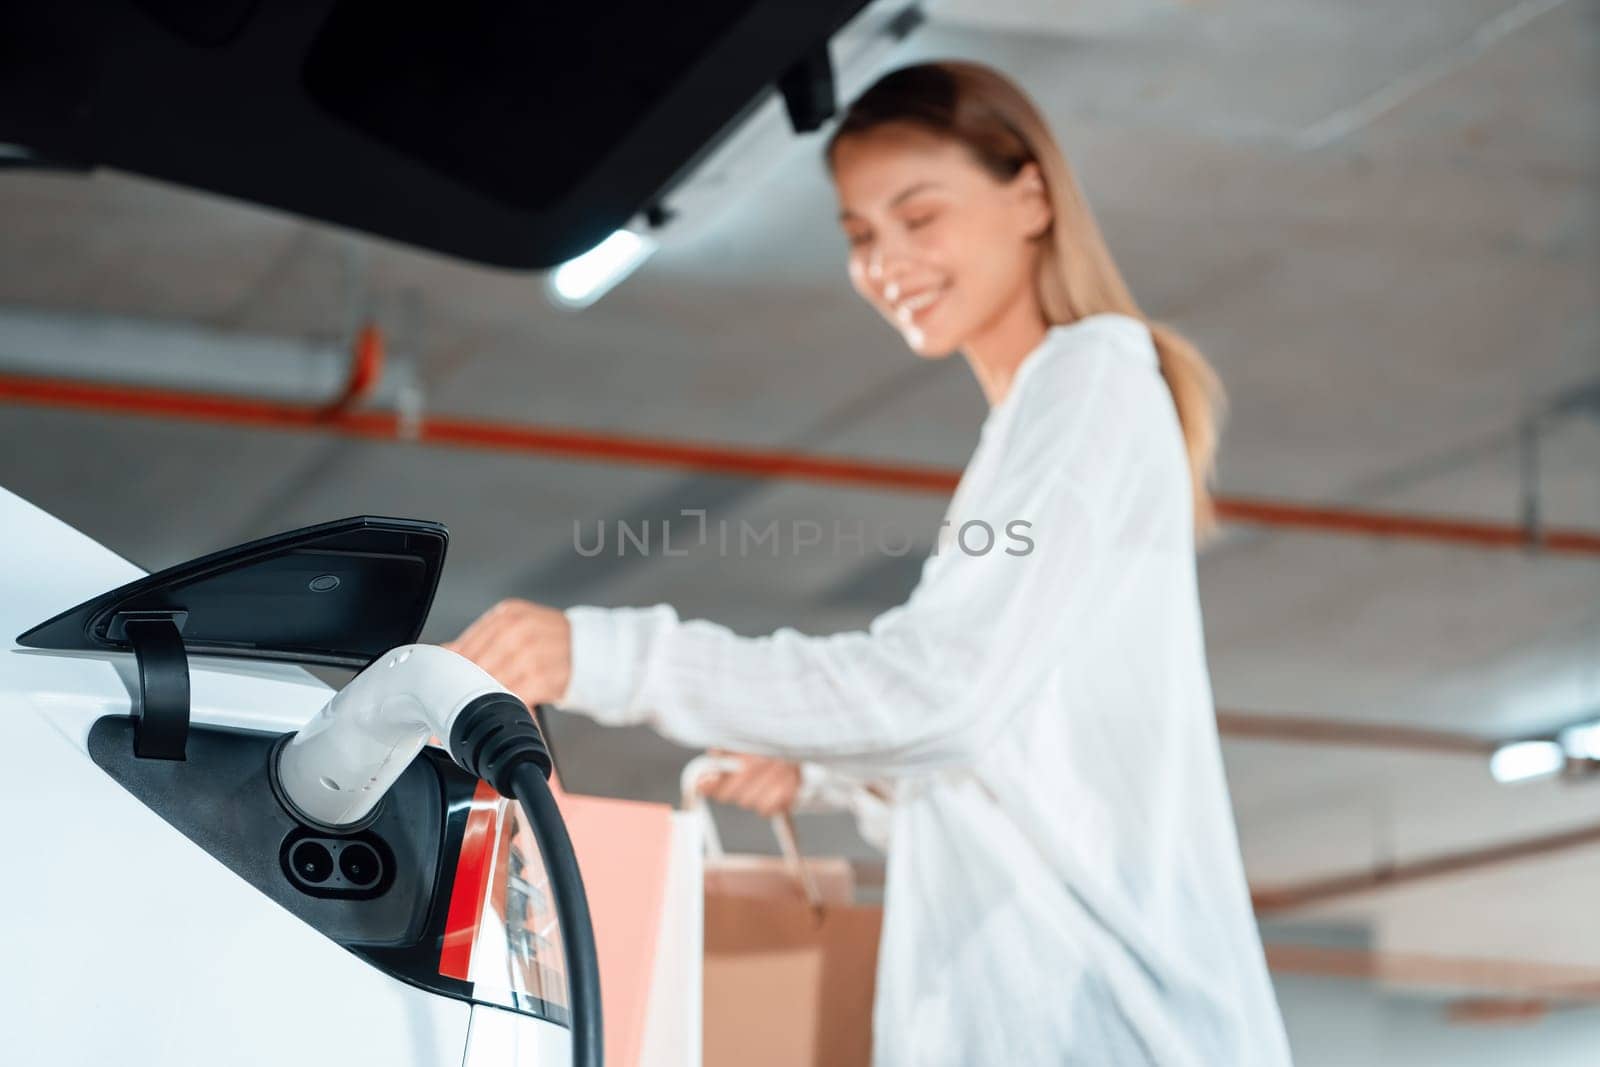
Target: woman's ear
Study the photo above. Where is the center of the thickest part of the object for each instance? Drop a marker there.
(1033, 200)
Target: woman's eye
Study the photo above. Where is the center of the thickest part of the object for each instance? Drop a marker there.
(858, 239)
(917, 222)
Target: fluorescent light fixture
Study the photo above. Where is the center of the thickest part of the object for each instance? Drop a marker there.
(1582, 741)
(584, 279)
(1518, 761)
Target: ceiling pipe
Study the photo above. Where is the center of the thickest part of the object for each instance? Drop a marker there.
(1498, 1011)
(1552, 981)
(1275, 900)
(720, 459)
(366, 371)
(158, 354)
(1298, 729)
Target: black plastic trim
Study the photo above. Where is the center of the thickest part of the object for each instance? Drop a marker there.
(240, 602)
(161, 715)
(305, 106)
(170, 790)
(808, 91)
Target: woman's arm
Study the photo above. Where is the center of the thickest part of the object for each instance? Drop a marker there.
(915, 690)
(911, 691)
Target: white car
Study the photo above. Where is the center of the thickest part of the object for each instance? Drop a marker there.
(170, 911)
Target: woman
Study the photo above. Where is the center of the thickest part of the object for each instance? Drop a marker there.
(1064, 882)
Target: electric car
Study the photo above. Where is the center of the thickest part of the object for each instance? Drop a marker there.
(163, 902)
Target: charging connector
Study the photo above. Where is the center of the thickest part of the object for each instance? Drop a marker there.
(332, 774)
(494, 736)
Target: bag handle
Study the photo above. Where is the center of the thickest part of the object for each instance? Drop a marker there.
(707, 766)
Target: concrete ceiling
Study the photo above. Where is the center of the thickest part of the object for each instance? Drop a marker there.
(1380, 221)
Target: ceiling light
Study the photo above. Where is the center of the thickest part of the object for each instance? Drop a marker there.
(1582, 741)
(1519, 761)
(584, 279)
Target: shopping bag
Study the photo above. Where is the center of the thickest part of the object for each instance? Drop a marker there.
(642, 876)
(790, 958)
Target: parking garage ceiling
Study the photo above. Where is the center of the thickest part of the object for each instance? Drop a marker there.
(1381, 222)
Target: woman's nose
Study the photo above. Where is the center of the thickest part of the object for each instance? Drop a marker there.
(875, 266)
(885, 269)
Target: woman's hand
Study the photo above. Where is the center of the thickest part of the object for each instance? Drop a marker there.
(762, 784)
(527, 647)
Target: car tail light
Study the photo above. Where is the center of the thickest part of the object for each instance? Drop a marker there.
(501, 932)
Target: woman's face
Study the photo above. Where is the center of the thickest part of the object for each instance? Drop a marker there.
(939, 245)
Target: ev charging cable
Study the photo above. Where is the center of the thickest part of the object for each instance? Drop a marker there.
(332, 774)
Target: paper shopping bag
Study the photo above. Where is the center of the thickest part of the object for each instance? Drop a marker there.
(786, 984)
(790, 960)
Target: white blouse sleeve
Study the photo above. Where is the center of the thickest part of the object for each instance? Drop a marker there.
(909, 692)
(824, 789)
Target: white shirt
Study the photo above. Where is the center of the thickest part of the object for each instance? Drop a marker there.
(1064, 882)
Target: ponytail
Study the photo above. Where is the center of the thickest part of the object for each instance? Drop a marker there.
(1198, 396)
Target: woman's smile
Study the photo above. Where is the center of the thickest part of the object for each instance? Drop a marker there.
(913, 308)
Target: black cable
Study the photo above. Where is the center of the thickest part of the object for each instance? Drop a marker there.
(496, 739)
(572, 912)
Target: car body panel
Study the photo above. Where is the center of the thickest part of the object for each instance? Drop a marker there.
(130, 945)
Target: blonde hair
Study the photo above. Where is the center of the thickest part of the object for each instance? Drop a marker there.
(986, 112)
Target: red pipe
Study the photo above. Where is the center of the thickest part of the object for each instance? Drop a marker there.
(711, 459)
(1555, 981)
(1296, 729)
(726, 460)
(366, 368)
(1256, 512)
(1270, 900)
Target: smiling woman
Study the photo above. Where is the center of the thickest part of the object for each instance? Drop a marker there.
(968, 231)
(1063, 881)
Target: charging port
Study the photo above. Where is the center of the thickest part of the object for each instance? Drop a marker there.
(358, 867)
